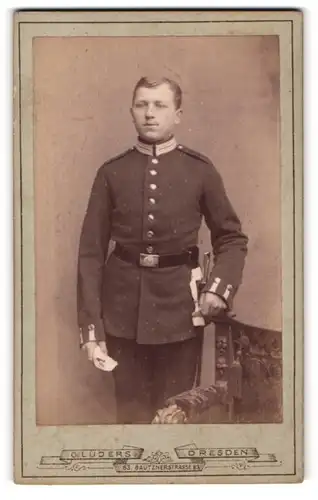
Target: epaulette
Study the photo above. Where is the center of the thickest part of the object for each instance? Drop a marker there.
(121, 155)
(193, 153)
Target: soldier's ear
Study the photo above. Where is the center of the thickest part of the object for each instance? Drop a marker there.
(178, 116)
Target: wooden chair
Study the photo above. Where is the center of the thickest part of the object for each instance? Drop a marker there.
(242, 384)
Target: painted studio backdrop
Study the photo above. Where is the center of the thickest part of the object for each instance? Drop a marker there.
(82, 91)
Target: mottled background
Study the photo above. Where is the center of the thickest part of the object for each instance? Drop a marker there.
(82, 93)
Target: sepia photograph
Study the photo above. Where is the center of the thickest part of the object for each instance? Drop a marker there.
(158, 199)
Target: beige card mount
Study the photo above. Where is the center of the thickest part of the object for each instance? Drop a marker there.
(241, 76)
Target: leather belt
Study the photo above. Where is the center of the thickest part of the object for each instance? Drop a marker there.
(188, 257)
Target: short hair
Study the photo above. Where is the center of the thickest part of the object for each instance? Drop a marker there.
(149, 83)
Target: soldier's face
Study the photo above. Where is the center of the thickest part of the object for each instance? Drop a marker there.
(154, 113)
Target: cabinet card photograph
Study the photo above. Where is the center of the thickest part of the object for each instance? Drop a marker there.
(158, 247)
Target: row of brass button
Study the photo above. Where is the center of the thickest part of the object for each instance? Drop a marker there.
(152, 201)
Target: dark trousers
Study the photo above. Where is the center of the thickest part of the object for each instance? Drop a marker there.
(147, 375)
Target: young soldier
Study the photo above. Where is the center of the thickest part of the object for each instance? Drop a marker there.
(138, 305)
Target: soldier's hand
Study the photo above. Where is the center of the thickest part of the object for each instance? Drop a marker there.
(90, 346)
(103, 347)
(211, 304)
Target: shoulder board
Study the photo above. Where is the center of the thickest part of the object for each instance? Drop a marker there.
(121, 155)
(193, 153)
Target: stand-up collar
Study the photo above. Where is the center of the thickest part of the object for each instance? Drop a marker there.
(156, 149)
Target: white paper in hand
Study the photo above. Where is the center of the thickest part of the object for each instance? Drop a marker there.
(103, 361)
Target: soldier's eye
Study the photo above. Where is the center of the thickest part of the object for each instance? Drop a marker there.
(140, 104)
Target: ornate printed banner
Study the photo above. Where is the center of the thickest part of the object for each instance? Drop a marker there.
(130, 459)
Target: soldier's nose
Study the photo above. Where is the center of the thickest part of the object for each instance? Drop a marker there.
(149, 112)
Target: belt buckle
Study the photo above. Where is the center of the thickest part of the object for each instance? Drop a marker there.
(146, 260)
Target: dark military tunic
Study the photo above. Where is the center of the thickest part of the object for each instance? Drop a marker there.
(152, 198)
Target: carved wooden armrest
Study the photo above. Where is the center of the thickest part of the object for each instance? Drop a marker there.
(189, 405)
